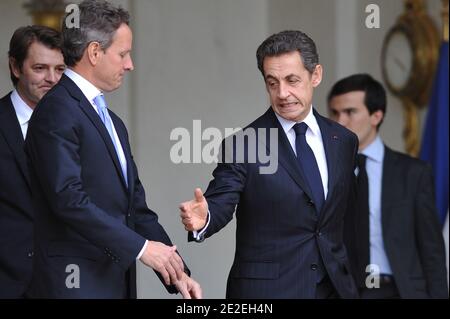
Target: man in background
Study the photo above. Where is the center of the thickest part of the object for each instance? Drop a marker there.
(36, 64)
(394, 226)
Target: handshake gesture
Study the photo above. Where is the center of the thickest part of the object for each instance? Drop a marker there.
(194, 213)
(165, 260)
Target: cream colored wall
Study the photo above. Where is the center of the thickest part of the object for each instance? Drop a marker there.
(13, 16)
(195, 59)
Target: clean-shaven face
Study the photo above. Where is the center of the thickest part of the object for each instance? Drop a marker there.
(349, 110)
(290, 85)
(41, 70)
(115, 60)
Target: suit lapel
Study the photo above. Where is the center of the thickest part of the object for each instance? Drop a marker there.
(90, 112)
(331, 145)
(126, 150)
(286, 156)
(10, 128)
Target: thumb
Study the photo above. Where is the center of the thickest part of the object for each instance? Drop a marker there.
(198, 195)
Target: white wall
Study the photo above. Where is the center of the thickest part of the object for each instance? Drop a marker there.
(13, 16)
(195, 59)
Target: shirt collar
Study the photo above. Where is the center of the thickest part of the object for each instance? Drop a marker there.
(89, 90)
(23, 111)
(375, 150)
(310, 120)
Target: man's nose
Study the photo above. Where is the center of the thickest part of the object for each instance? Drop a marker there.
(283, 91)
(342, 119)
(51, 76)
(129, 64)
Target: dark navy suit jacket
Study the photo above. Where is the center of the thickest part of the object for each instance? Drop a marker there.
(16, 210)
(280, 237)
(412, 235)
(85, 214)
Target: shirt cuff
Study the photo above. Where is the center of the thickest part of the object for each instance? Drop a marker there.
(199, 234)
(142, 250)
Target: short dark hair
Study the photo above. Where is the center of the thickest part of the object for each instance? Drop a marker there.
(288, 41)
(22, 39)
(99, 21)
(375, 94)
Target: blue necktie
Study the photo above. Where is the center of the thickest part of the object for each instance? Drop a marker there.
(308, 164)
(106, 119)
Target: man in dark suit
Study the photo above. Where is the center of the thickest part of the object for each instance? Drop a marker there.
(92, 220)
(36, 64)
(395, 225)
(289, 221)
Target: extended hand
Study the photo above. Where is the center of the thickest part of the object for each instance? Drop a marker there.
(164, 260)
(194, 212)
(189, 288)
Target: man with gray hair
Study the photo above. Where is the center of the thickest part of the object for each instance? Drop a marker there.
(92, 220)
(290, 223)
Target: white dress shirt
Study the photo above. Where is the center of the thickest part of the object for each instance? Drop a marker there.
(23, 111)
(374, 167)
(314, 140)
(91, 92)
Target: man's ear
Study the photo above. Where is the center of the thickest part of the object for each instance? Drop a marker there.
(376, 117)
(94, 52)
(14, 67)
(316, 77)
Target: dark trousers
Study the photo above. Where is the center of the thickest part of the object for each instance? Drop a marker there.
(326, 290)
(387, 290)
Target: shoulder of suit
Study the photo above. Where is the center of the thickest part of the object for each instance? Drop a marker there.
(5, 99)
(338, 127)
(56, 101)
(341, 131)
(260, 122)
(406, 160)
(6, 103)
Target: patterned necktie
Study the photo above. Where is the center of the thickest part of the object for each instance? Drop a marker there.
(308, 164)
(362, 219)
(99, 100)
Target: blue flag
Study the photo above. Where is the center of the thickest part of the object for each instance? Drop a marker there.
(435, 139)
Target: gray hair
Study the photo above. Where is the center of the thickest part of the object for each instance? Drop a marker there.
(99, 21)
(289, 41)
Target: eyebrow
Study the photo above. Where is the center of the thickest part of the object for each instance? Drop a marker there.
(348, 108)
(46, 64)
(270, 77)
(286, 77)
